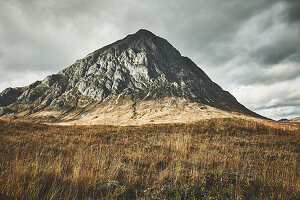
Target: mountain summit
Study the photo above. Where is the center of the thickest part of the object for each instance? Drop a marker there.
(139, 76)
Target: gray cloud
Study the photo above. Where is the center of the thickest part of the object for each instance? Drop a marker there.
(293, 10)
(239, 44)
(276, 53)
(281, 97)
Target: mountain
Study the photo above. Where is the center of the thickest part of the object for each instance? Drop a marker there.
(139, 76)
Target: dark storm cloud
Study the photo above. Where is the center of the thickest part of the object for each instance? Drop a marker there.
(200, 29)
(293, 10)
(285, 47)
(238, 43)
(274, 54)
(263, 40)
(210, 25)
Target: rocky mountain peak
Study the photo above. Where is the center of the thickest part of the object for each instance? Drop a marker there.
(140, 67)
(144, 33)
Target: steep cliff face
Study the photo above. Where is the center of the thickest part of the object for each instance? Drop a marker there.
(140, 67)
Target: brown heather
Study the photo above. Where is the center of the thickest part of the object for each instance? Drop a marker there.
(210, 159)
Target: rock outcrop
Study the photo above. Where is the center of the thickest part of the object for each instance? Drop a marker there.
(4, 111)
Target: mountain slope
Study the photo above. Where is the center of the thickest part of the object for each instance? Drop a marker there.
(141, 67)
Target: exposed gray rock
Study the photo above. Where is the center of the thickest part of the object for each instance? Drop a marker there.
(4, 111)
(9, 96)
(140, 66)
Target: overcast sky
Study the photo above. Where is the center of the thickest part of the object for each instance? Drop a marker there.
(250, 48)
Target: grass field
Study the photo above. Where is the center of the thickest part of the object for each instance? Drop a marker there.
(210, 159)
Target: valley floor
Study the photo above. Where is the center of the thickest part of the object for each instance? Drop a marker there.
(228, 158)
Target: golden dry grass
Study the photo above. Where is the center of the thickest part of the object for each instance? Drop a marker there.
(122, 113)
(211, 159)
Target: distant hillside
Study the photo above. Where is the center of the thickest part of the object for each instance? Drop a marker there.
(296, 119)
